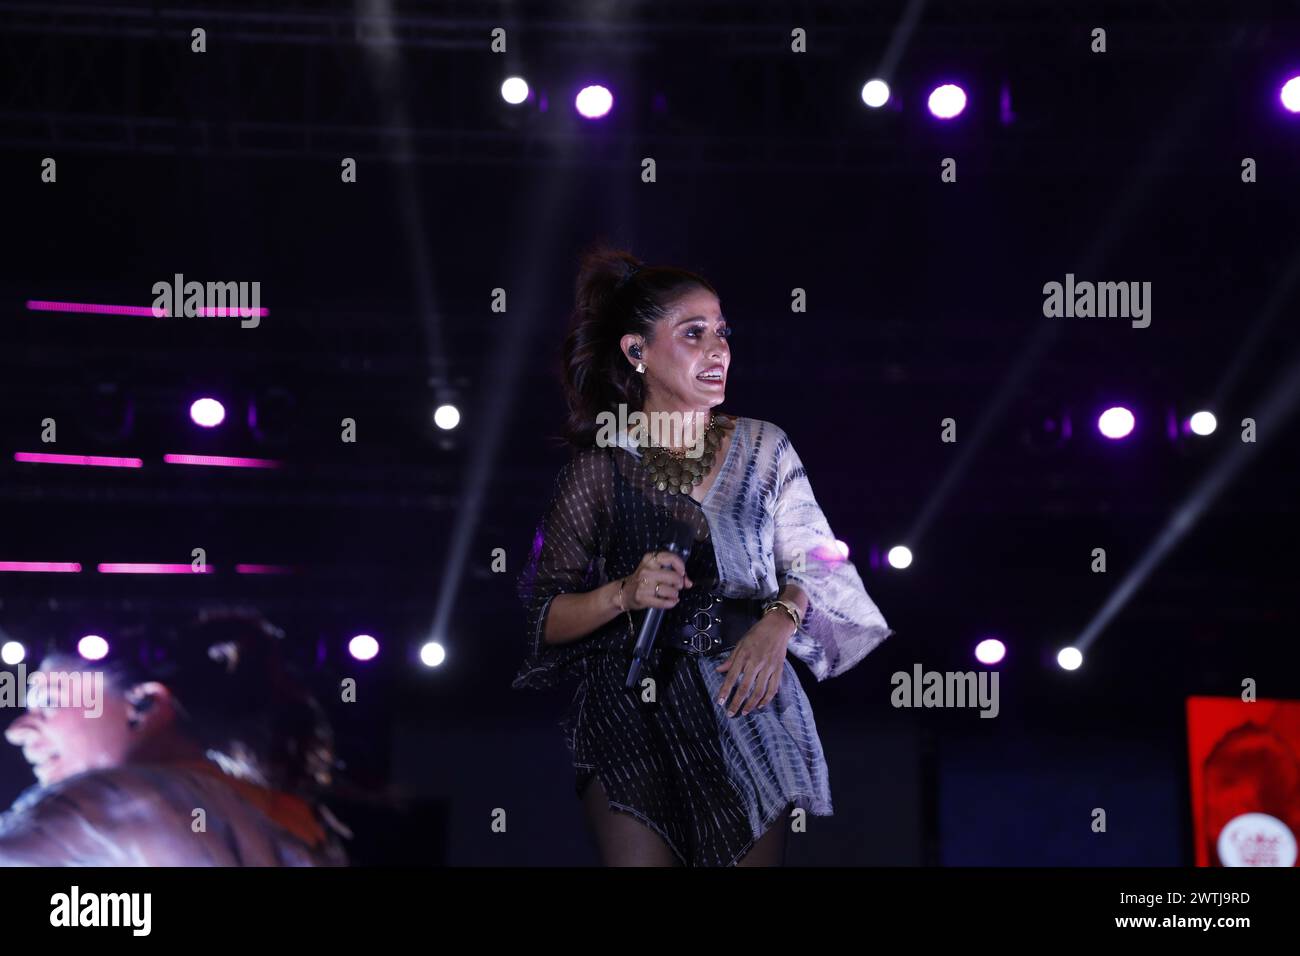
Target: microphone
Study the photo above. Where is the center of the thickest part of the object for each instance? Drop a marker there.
(681, 539)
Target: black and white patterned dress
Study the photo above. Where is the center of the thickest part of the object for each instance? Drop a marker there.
(709, 784)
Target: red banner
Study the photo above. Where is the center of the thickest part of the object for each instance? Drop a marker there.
(1245, 779)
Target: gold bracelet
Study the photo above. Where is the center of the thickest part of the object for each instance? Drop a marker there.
(794, 609)
(788, 608)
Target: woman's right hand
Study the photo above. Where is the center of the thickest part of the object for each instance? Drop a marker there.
(661, 569)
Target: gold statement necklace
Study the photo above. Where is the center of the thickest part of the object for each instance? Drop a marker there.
(677, 473)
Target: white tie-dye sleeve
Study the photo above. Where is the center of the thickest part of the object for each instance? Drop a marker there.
(842, 624)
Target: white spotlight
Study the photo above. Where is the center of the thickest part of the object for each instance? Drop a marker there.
(899, 557)
(92, 647)
(947, 101)
(514, 90)
(432, 654)
(593, 102)
(1203, 423)
(12, 653)
(446, 417)
(1070, 658)
(875, 93)
(363, 647)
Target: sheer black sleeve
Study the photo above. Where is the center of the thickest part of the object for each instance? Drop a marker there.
(567, 557)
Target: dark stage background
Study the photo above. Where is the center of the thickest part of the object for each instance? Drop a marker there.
(924, 303)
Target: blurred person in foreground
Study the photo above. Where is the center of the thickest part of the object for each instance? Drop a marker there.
(214, 755)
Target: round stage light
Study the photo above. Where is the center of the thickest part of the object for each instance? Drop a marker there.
(363, 647)
(432, 654)
(514, 90)
(11, 652)
(947, 101)
(1291, 94)
(446, 417)
(875, 93)
(899, 557)
(593, 102)
(990, 651)
(207, 412)
(92, 647)
(1070, 658)
(1202, 423)
(1116, 423)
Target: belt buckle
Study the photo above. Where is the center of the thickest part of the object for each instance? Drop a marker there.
(700, 642)
(707, 628)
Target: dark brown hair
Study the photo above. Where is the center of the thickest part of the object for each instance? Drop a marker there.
(615, 295)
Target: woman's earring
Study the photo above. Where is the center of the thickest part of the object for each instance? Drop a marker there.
(640, 367)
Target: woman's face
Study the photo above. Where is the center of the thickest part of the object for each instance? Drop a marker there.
(688, 358)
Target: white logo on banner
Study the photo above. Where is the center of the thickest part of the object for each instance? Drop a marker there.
(1257, 839)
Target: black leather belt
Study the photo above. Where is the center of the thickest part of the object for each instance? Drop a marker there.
(709, 624)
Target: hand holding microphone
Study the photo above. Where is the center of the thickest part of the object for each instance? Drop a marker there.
(657, 581)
